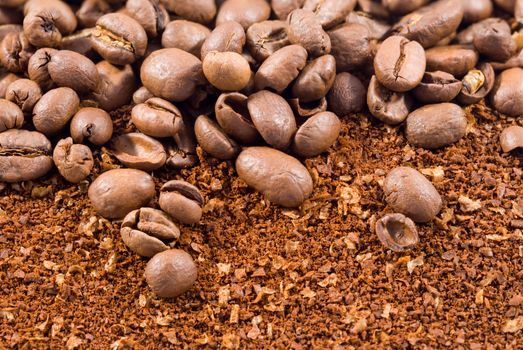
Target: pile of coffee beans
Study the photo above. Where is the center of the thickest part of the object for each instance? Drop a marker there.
(256, 82)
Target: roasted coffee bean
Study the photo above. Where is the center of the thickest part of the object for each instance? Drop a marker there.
(305, 29)
(119, 38)
(316, 79)
(141, 95)
(73, 70)
(171, 273)
(494, 40)
(466, 36)
(388, 106)
(172, 74)
(399, 64)
(182, 154)
(201, 11)
(144, 230)
(376, 29)
(401, 7)
(511, 138)
(24, 93)
(330, 12)
(281, 68)
(350, 46)
(116, 87)
(506, 5)
(273, 118)
(11, 116)
(185, 35)
(24, 155)
(214, 140)
(477, 84)
(93, 125)
(435, 126)
(308, 109)
(267, 37)
(54, 110)
(5, 80)
(411, 194)
(437, 87)
(454, 59)
(120, 191)
(151, 15)
(397, 232)
(80, 42)
(317, 134)
(507, 93)
(90, 11)
(182, 201)
(74, 161)
(228, 37)
(15, 51)
(37, 68)
(234, 118)
(245, 12)
(281, 178)
(227, 71)
(282, 8)
(347, 95)
(431, 23)
(139, 151)
(474, 11)
(374, 8)
(157, 117)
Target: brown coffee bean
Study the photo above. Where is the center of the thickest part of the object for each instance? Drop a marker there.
(399, 64)
(317, 134)
(182, 201)
(401, 7)
(90, 11)
(233, 116)
(227, 71)
(507, 93)
(37, 68)
(119, 38)
(228, 37)
(511, 138)
(506, 5)
(15, 51)
(397, 232)
(474, 11)
(139, 151)
(11, 116)
(201, 11)
(24, 155)
(305, 29)
(477, 84)
(374, 8)
(151, 15)
(347, 95)
(316, 79)
(157, 117)
(172, 74)
(80, 42)
(308, 109)
(5, 80)
(116, 86)
(350, 46)
(245, 12)
(74, 162)
(273, 118)
(281, 178)
(437, 87)
(494, 40)
(267, 37)
(73, 70)
(214, 140)
(330, 12)
(376, 29)
(144, 230)
(435, 126)
(185, 35)
(171, 273)
(411, 194)
(93, 125)
(388, 106)
(455, 59)
(182, 154)
(54, 110)
(141, 95)
(513, 62)
(281, 68)
(24, 93)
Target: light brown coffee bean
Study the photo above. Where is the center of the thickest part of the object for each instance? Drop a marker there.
(5, 80)
(351, 46)
(37, 68)
(507, 93)
(330, 13)
(437, 87)
(74, 161)
(388, 106)
(317, 134)
(494, 40)
(151, 15)
(185, 35)
(234, 118)
(245, 12)
(316, 79)
(305, 29)
(141, 95)
(139, 151)
(157, 117)
(227, 37)
(54, 110)
(227, 71)
(73, 70)
(201, 11)
(182, 201)
(376, 28)
(11, 116)
(214, 140)
(282, 8)
(397, 232)
(24, 93)
(15, 52)
(116, 87)
(265, 38)
(308, 109)
(511, 138)
(93, 125)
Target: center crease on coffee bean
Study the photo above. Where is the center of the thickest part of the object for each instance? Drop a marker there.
(399, 62)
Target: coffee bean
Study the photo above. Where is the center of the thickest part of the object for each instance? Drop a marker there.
(455, 59)
(305, 29)
(388, 106)
(54, 110)
(227, 71)
(139, 151)
(228, 37)
(185, 35)
(24, 93)
(37, 68)
(81, 43)
(282, 8)
(397, 232)
(182, 201)
(141, 95)
(73, 70)
(411, 194)
(507, 93)
(151, 15)
(402, 7)
(11, 116)
(267, 37)
(511, 138)
(201, 11)
(399, 64)
(24, 155)
(157, 117)
(74, 162)
(273, 118)
(119, 38)
(234, 118)
(90, 11)
(474, 11)
(116, 87)
(376, 29)
(144, 230)
(317, 134)
(477, 84)
(245, 12)
(316, 79)
(494, 40)
(120, 191)
(281, 68)
(374, 8)
(330, 12)
(171, 273)
(172, 74)
(93, 125)
(350, 46)
(281, 178)
(308, 109)
(214, 140)
(347, 95)
(5, 80)
(437, 87)
(15, 51)
(435, 126)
